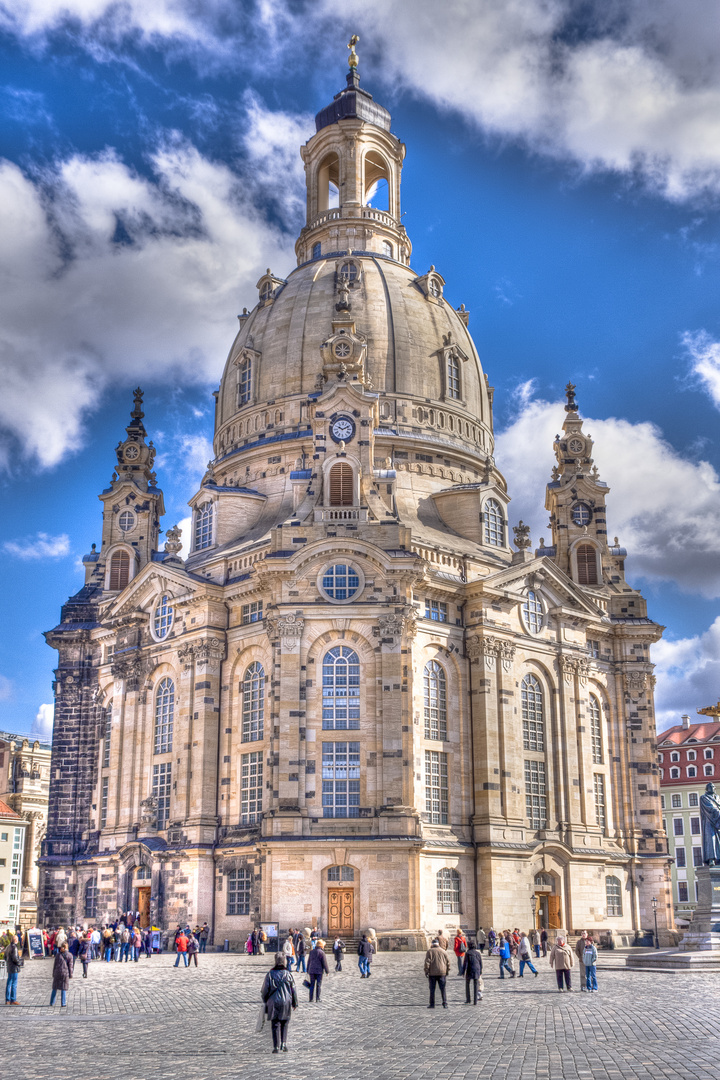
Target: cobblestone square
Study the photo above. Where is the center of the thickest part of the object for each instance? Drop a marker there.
(147, 1020)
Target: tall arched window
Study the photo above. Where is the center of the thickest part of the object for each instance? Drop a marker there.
(119, 570)
(453, 376)
(587, 565)
(91, 899)
(613, 896)
(341, 485)
(595, 730)
(435, 693)
(448, 891)
(244, 381)
(204, 526)
(253, 705)
(341, 688)
(107, 735)
(164, 716)
(531, 697)
(494, 526)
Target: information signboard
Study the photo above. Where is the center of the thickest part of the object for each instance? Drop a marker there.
(34, 944)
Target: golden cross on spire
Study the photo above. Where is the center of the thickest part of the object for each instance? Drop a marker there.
(353, 57)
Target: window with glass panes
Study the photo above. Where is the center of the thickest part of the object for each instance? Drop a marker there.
(251, 782)
(252, 612)
(595, 730)
(683, 892)
(535, 796)
(161, 783)
(341, 779)
(341, 873)
(599, 786)
(107, 735)
(693, 799)
(531, 700)
(448, 891)
(436, 787)
(532, 611)
(434, 690)
(697, 856)
(239, 884)
(613, 896)
(678, 826)
(204, 526)
(164, 715)
(436, 610)
(244, 381)
(680, 859)
(105, 783)
(453, 376)
(694, 826)
(163, 617)
(253, 703)
(676, 801)
(91, 899)
(493, 523)
(341, 581)
(341, 688)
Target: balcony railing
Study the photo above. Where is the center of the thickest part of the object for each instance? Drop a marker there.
(341, 514)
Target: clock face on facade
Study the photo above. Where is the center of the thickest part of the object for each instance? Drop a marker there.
(342, 429)
(576, 446)
(131, 452)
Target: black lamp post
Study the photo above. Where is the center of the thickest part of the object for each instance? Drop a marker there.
(654, 903)
(533, 905)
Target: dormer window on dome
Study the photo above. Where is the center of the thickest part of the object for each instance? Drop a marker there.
(350, 272)
(432, 285)
(268, 287)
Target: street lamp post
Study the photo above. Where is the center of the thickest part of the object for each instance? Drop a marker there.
(654, 903)
(533, 906)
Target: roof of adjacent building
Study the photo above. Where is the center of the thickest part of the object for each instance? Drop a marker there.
(695, 733)
(8, 812)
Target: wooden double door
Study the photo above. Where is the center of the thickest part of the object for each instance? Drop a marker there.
(143, 906)
(341, 911)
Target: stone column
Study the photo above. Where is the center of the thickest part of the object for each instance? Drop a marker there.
(202, 735)
(395, 766)
(285, 633)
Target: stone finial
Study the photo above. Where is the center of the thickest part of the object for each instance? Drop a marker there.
(570, 394)
(353, 57)
(137, 413)
(173, 543)
(521, 534)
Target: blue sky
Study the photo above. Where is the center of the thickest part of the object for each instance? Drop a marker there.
(563, 174)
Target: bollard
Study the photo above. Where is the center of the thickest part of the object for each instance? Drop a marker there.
(226, 946)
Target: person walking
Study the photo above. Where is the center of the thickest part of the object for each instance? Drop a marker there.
(544, 941)
(262, 942)
(181, 944)
(579, 952)
(562, 959)
(367, 951)
(590, 958)
(280, 997)
(317, 967)
(460, 948)
(525, 955)
(481, 939)
(13, 963)
(535, 942)
(443, 940)
(62, 974)
(436, 967)
(472, 970)
(95, 942)
(505, 964)
(288, 951)
(491, 940)
(126, 942)
(85, 953)
(193, 948)
(299, 945)
(338, 950)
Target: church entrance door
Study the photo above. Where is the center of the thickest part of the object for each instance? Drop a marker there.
(341, 911)
(143, 906)
(554, 922)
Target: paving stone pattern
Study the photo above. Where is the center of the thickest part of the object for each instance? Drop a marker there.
(148, 1020)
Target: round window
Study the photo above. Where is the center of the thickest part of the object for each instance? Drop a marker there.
(342, 349)
(581, 514)
(131, 452)
(126, 521)
(163, 617)
(341, 582)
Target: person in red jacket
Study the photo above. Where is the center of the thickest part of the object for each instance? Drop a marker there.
(181, 944)
(460, 948)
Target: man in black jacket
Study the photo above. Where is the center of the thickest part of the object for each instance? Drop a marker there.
(317, 967)
(472, 970)
(299, 946)
(13, 963)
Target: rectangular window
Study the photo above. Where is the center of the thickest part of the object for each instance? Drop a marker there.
(676, 801)
(436, 610)
(694, 827)
(693, 799)
(678, 827)
(593, 648)
(680, 860)
(436, 787)
(104, 801)
(238, 892)
(252, 612)
(535, 798)
(341, 779)
(662, 802)
(682, 892)
(697, 856)
(251, 787)
(162, 777)
(453, 376)
(599, 783)
(107, 736)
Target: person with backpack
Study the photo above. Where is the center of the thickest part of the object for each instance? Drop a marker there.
(460, 948)
(472, 970)
(280, 998)
(525, 955)
(590, 958)
(338, 950)
(13, 963)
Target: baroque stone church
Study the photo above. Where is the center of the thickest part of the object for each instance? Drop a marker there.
(355, 704)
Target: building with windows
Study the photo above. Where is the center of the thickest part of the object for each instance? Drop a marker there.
(24, 787)
(354, 703)
(12, 851)
(688, 758)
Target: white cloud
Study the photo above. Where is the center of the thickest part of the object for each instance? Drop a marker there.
(704, 354)
(185, 527)
(40, 546)
(664, 507)
(42, 725)
(79, 310)
(6, 688)
(688, 675)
